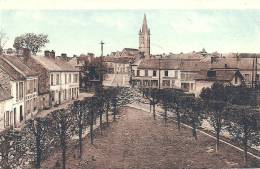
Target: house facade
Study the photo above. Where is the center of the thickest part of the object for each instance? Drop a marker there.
(61, 80)
(20, 82)
(6, 109)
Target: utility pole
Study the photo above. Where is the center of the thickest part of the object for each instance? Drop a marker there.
(101, 60)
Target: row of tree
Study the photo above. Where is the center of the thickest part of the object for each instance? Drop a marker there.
(41, 136)
(228, 108)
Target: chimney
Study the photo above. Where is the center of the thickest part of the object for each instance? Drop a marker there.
(26, 54)
(47, 53)
(52, 54)
(64, 56)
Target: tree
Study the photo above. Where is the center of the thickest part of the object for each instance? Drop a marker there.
(92, 115)
(193, 113)
(12, 149)
(39, 139)
(166, 101)
(33, 42)
(177, 106)
(80, 111)
(215, 99)
(62, 127)
(107, 102)
(153, 95)
(243, 125)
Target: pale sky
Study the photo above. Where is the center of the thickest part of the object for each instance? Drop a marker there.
(75, 28)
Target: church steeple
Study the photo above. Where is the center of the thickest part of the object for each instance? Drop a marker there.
(144, 39)
(144, 27)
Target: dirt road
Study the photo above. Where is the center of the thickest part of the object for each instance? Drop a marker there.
(137, 141)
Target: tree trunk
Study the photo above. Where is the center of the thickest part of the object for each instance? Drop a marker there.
(107, 116)
(114, 117)
(38, 152)
(100, 123)
(194, 132)
(91, 127)
(217, 141)
(165, 116)
(64, 156)
(178, 120)
(80, 142)
(150, 107)
(154, 115)
(245, 150)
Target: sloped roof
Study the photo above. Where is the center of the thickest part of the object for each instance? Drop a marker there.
(221, 75)
(17, 64)
(56, 64)
(124, 60)
(4, 95)
(10, 70)
(232, 62)
(173, 64)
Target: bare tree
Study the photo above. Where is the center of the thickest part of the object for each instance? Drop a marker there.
(153, 95)
(80, 111)
(62, 126)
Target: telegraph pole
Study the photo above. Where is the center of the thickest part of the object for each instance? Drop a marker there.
(101, 60)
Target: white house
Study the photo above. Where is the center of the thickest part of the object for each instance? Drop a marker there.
(6, 101)
(63, 79)
(20, 82)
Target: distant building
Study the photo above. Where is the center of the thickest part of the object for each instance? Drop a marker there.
(167, 73)
(144, 39)
(228, 76)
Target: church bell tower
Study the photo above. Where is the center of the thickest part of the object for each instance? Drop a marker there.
(144, 39)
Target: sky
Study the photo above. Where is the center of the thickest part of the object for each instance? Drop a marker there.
(79, 30)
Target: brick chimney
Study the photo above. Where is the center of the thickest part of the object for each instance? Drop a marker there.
(52, 54)
(47, 53)
(26, 54)
(64, 56)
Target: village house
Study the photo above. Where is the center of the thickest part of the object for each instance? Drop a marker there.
(247, 64)
(163, 73)
(61, 80)
(228, 76)
(19, 81)
(6, 108)
(168, 73)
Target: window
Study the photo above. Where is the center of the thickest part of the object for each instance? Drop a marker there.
(51, 79)
(247, 77)
(57, 79)
(7, 118)
(20, 90)
(69, 78)
(146, 72)
(75, 78)
(17, 91)
(154, 73)
(34, 85)
(138, 73)
(65, 78)
(176, 74)
(14, 117)
(21, 113)
(166, 83)
(166, 73)
(191, 86)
